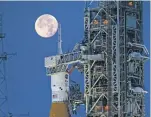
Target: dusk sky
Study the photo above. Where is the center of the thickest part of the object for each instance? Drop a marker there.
(28, 85)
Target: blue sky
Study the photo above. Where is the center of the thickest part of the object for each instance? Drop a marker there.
(28, 86)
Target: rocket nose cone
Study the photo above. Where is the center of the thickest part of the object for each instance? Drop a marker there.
(59, 110)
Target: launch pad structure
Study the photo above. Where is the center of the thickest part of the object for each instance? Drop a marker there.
(111, 56)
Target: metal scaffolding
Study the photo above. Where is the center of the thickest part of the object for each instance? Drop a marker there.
(108, 29)
(112, 57)
(4, 56)
(3, 82)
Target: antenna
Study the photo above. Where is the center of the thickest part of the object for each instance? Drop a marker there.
(59, 40)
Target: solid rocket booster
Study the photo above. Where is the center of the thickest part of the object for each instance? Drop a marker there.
(60, 89)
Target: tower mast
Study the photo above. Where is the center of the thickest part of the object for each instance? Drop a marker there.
(3, 83)
(4, 56)
(4, 106)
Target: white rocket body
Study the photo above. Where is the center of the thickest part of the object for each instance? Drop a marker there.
(60, 86)
(60, 89)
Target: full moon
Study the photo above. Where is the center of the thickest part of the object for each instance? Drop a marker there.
(46, 26)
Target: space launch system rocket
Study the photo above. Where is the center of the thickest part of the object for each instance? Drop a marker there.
(59, 83)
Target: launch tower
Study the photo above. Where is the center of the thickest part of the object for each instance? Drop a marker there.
(115, 86)
(111, 56)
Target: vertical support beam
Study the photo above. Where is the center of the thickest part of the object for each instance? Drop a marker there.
(86, 65)
(118, 59)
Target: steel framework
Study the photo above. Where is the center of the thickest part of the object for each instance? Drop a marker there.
(117, 82)
(3, 82)
(4, 105)
(112, 57)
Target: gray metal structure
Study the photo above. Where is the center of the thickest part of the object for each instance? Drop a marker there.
(3, 82)
(111, 56)
(4, 56)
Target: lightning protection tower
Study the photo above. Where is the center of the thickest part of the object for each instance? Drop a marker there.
(4, 106)
(3, 83)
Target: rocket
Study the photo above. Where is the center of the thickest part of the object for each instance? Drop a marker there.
(60, 89)
(59, 84)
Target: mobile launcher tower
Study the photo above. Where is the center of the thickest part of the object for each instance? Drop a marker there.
(111, 56)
